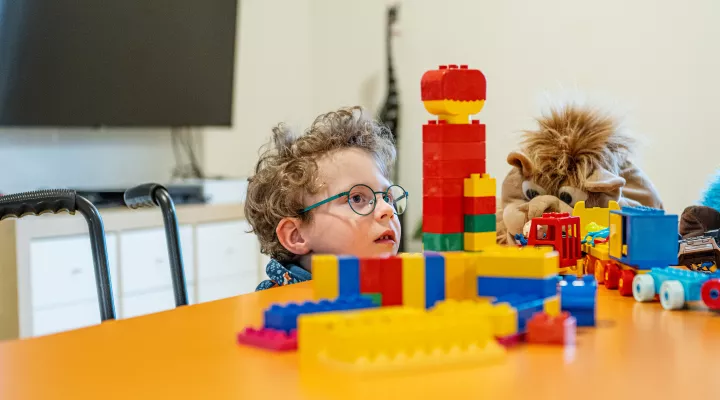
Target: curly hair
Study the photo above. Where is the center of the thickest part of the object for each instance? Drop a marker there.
(287, 171)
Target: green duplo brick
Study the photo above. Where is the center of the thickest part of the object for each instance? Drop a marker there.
(480, 223)
(376, 298)
(443, 242)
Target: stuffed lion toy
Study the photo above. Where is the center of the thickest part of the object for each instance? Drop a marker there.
(576, 153)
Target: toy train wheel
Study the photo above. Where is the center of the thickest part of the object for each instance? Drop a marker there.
(710, 294)
(599, 272)
(643, 288)
(589, 264)
(625, 283)
(612, 275)
(672, 295)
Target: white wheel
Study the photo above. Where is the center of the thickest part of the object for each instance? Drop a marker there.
(672, 295)
(643, 287)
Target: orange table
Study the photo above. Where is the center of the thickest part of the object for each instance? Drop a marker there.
(637, 351)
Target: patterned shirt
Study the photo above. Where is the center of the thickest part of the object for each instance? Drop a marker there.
(281, 275)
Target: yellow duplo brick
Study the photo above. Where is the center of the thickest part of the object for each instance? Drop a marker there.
(326, 277)
(504, 320)
(314, 330)
(552, 306)
(455, 265)
(479, 186)
(598, 215)
(479, 241)
(471, 289)
(518, 262)
(413, 280)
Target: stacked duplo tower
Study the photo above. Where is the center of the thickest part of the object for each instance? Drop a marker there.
(458, 195)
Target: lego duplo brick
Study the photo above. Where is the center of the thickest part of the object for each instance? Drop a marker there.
(545, 329)
(326, 277)
(434, 279)
(314, 329)
(479, 184)
(491, 286)
(371, 275)
(284, 317)
(398, 342)
(453, 151)
(391, 282)
(269, 339)
(479, 205)
(450, 82)
(442, 132)
(443, 223)
(479, 241)
(598, 215)
(502, 316)
(460, 276)
(518, 262)
(578, 293)
(480, 223)
(443, 241)
(442, 187)
(442, 205)
(453, 169)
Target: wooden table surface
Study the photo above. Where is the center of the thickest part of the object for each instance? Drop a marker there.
(637, 351)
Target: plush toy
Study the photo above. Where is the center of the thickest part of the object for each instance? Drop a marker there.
(577, 153)
(698, 219)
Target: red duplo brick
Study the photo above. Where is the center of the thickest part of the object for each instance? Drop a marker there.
(453, 83)
(453, 151)
(453, 169)
(391, 282)
(443, 187)
(441, 205)
(442, 132)
(370, 275)
(479, 205)
(443, 223)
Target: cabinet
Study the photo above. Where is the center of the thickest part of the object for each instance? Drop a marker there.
(49, 283)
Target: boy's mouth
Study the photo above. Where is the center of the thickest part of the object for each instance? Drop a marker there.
(387, 237)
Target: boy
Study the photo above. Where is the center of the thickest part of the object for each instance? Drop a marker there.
(325, 192)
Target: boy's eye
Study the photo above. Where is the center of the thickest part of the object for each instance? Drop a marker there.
(359, 199)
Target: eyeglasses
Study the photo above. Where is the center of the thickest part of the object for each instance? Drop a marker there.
(362, 199)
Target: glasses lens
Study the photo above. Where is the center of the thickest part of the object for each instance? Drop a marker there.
(398, 198)
(361, 199)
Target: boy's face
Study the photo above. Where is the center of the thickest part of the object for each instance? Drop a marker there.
(335, 227)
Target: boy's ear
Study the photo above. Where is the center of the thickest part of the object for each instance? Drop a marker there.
(522, 162)
(604, 181)
(290, 237)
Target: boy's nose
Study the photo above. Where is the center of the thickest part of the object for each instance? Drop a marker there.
(383, 208)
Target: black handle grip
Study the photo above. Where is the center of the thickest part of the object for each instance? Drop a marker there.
(37, 202)
(151, 195)
(142, 195)
(56, 200)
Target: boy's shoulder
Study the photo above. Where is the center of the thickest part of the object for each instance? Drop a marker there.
(280, 274)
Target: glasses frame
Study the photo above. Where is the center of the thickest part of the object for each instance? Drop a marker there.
(374, 203)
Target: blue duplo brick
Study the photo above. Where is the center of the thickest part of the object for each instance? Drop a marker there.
(348, 276)
(434, 279)
(490, 286)
(284, 317)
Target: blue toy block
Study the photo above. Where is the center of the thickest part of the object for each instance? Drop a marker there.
(651, 237)
(490, 286)
(284, 317)
(434, 279)
(348, 276)
(578, 297)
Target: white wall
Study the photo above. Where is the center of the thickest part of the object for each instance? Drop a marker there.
(657, 65)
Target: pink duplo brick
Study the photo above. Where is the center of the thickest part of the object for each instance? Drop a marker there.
(269, 339)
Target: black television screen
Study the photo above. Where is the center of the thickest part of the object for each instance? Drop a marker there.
(117, 62)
